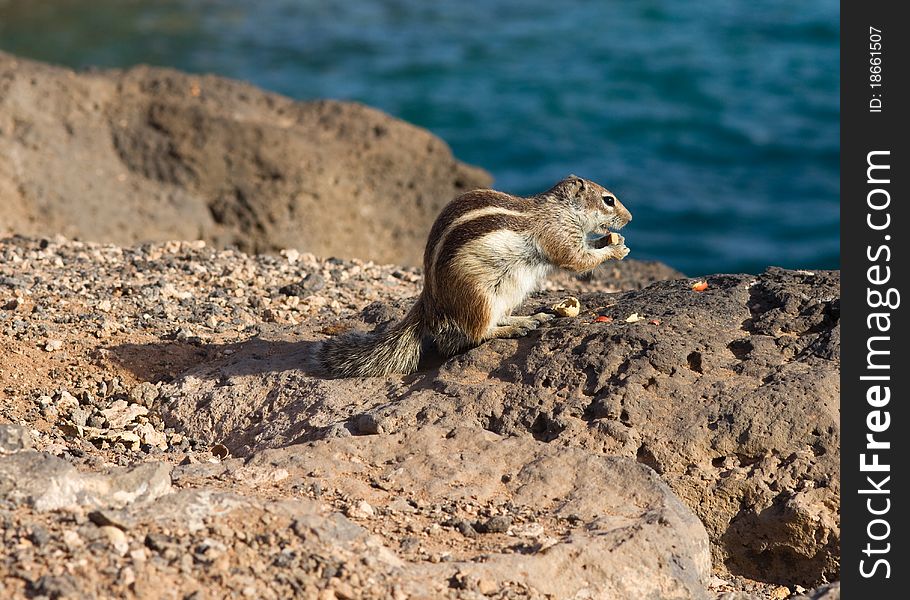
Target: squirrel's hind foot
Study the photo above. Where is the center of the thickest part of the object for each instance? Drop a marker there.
(512, 327)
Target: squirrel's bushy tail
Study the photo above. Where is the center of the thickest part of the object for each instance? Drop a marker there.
(395, 350)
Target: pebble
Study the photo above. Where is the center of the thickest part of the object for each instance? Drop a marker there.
(72, 539)
(80, 416)
(370, 424)
(528, 530)
(13, 304)
(117, 539)
(342, 589)
(53, 345)
(122, 413)
(139, 555)
(209, 551)
(66, 401)
(14, 438)
(498, 524)
(127, 577)
(487, 587)
(313, 282)
(291, 254)
(39, 535)
(361, 510)
(463, 526)
(151, 436)
(779, 593)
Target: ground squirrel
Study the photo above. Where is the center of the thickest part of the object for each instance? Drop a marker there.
(486, 252)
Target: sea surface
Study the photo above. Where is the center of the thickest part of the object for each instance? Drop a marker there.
(715, 122)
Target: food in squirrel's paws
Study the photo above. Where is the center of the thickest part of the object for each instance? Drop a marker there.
(611, 239)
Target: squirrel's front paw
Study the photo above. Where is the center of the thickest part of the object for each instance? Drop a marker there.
(618, 251)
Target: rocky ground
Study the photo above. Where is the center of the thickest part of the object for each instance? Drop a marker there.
(164, 435)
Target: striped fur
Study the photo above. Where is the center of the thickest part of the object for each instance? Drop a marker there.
(485, 253)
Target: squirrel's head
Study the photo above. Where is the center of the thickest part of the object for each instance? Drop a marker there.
(599, 208)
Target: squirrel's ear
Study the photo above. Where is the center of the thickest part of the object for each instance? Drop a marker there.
(576, 184)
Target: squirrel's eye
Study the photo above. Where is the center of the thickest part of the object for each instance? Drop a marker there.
(609, 200)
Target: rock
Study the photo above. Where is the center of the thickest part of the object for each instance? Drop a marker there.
(14, 438)
(39, 535)
(127, 576)
(190, 509)
(96, 422)
(53, 345)
(51, 586)
(313, 282)
(144, 394)
(497, 524)
(151, 436)
(46, 483)
(780, 593)
(369, 424)
(463, 526)
(631, 538)
(12, 304)
(102, 436)
(160, 542)
(66, 401)
(733, 399)
(209, 551)
(361, 510)
(343, 590)
(72, 540)
(117, 539)
(829, 591)
(529, 530)
(487, 587)
(80, 416)
(137, 158)
(120, 414)
(567, 508)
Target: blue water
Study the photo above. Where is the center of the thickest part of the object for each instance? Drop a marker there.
(715, 122)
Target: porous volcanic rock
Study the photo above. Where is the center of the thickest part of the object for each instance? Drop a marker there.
(572, 524)
(153, 154)
(730, 394)
(576, 524)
